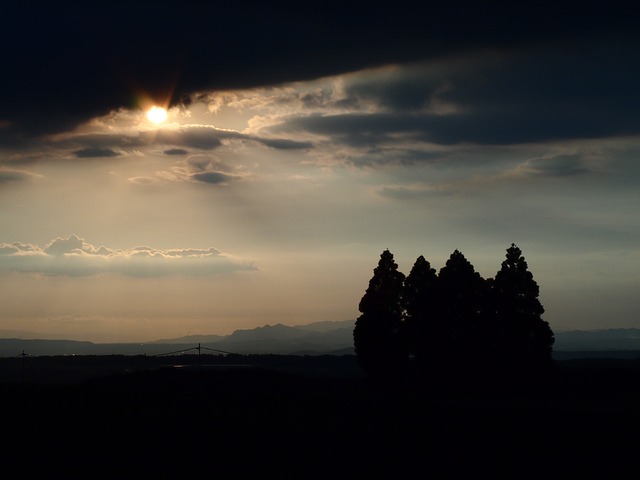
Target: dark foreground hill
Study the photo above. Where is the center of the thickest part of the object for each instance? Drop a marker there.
(308, 417)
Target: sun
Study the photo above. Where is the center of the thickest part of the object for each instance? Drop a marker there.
(156, 115)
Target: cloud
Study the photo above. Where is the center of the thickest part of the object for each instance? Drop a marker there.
(176, 151)
(562, 165)
(283, 144)
(194, 136)
(416, 190)
(206, 137)
(144, 181)
(578, 90)
(95, 152)
(410, 88)
(213, 178)
(73, 256)
(201, 168)
(13, 176)
(72, 244)
(267, 46)
(402, 113)
(181, 138)
(18, 248)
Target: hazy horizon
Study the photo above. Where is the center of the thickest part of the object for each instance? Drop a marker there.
(30, 335)
(297, 147)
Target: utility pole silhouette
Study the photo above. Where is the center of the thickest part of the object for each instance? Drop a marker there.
(25, 363)
(199, 349)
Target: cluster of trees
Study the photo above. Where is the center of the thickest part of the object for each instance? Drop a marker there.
(452, 323)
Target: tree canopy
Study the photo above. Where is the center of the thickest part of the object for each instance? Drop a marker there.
(376, 334)
(522, 334)
(453, 322)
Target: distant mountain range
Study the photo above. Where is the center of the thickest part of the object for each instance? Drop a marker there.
(315, 338)
(320, 338)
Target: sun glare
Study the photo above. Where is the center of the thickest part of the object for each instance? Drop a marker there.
(156, 115)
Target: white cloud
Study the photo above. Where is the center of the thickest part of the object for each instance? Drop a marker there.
(72, 256)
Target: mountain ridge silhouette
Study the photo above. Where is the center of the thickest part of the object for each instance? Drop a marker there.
(319, 338)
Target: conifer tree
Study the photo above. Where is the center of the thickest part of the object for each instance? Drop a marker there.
(420, 301)
(376, 333)
(461, 297)
(522, 335)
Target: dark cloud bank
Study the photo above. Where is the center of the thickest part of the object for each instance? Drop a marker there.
(65, 63)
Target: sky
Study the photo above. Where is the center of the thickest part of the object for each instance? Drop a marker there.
(300, 142)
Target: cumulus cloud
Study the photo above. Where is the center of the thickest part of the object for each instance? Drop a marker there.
(73, 256)
(72, 244)
(18, 248)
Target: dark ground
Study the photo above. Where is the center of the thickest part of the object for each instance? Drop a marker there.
(306, 417)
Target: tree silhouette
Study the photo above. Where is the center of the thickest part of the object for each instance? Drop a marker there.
(454, 325)
(461, 296)
(376, 334)
(522, 336)
(421, 334)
